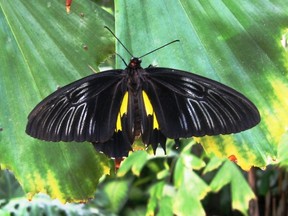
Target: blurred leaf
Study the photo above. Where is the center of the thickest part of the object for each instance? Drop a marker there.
(237, 43)
(9, 187)
(190, 160)
(214, 163)
(45, 48)
(165, 206)
(191, 188)
(156, 193)
(135, 162)
(184, 176)
(185, 203)
(267, 180)
(43, 205)
(241, 191)
(135, 211)
(114, 192)
(106, 5)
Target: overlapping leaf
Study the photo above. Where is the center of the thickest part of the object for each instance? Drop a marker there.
(236, 43)
(42, 48)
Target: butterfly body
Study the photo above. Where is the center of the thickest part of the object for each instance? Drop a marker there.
(112, 108)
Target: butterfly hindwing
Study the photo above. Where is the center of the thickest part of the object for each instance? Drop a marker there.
(85, 110)
(151, 134)
(189, 105)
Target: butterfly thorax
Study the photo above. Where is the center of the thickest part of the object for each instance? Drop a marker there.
(134, 71)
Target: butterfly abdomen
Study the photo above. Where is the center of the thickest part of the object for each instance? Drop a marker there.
(137, 119)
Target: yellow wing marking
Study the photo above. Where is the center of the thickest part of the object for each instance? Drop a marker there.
(149, 110)
(123, 110)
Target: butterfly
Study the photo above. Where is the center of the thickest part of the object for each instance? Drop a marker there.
(112, 108)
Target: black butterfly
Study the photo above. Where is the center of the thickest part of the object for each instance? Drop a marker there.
(112, 108)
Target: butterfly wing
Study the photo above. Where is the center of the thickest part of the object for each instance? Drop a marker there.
(189, 105)
(85, 110)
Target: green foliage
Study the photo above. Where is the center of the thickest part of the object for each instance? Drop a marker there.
(237, 43)
(220, 40)
(241, 191)
(40, 42)
(43, 205)
(9, 187)
(169, 185)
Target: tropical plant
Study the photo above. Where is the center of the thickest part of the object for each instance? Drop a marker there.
(239, 43)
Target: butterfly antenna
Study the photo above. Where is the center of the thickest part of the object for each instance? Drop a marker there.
(160, 48)
(121, 59)
(119, 42)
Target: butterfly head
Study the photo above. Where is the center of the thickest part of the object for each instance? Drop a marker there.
(135, 63)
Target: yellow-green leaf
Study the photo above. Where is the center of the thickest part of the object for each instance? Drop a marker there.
(237, 43)
(42, 47)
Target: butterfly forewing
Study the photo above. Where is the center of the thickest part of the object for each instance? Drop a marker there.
(85, 110)
(189, 105)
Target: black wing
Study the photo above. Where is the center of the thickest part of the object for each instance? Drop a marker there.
(190, 105)
(85, 110)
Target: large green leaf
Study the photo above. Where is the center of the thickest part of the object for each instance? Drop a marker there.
(42, 48)
(235, 42)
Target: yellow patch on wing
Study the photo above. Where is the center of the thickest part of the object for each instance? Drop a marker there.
(149, 110)
(123, 110)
